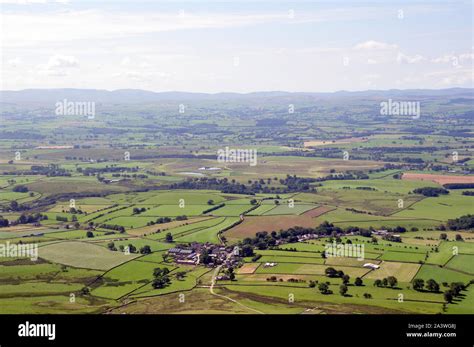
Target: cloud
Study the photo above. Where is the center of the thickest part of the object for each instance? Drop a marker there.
(409, 59)
(62, 61)
(58, 66)
(375, 45)
(446, 58)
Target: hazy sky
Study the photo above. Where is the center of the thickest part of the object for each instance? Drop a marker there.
(240, 46)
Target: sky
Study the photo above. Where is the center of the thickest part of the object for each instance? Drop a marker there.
(236, 46)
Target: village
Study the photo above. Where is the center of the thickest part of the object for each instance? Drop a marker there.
(207, 254)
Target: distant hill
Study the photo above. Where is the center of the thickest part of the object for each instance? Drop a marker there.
(132, 96)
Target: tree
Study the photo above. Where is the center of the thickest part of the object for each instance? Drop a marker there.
(132, 248)
(145, 250)
(161, 278)
(448, 296)
(330, 272)
(392, 281)
(323, 288)
(377, 283)
(385, 282)
(432, 285)
(343, 289)
(180, 275)
(160, 282)
(169, 237)
(418, 284)
(358, 282)
(90, 234)
(456, 288)
(14, 205)
(247, 251)
(345, 279)
(20, 189)
(459, 237)
(230, 273)
(210, 202)
(443, 236)
(204, 258)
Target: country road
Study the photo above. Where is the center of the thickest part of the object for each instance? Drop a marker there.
(211, 289)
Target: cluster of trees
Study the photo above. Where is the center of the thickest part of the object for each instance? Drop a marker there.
(20, 189)
(431, 191)
(138, 210)
(15, 206)
(454, 291)
(292, 183)
(61, 219)
(323, 287)
(51, 170)
(390, 281)
(161, 278)
(431, 285)
(4, 222)
(444, 236)
(30, 218)
(264, 240)
(92, 171)
(462, 223)
(458, 185)
(162, 220)
(146, 249)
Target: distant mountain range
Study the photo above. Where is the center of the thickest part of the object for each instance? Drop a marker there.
(131, 96)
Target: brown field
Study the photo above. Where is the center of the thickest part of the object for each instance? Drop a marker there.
(318, 211)
(24, 227)
(248, 268)
(334, 142)
(440, 179)
(254, 224)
